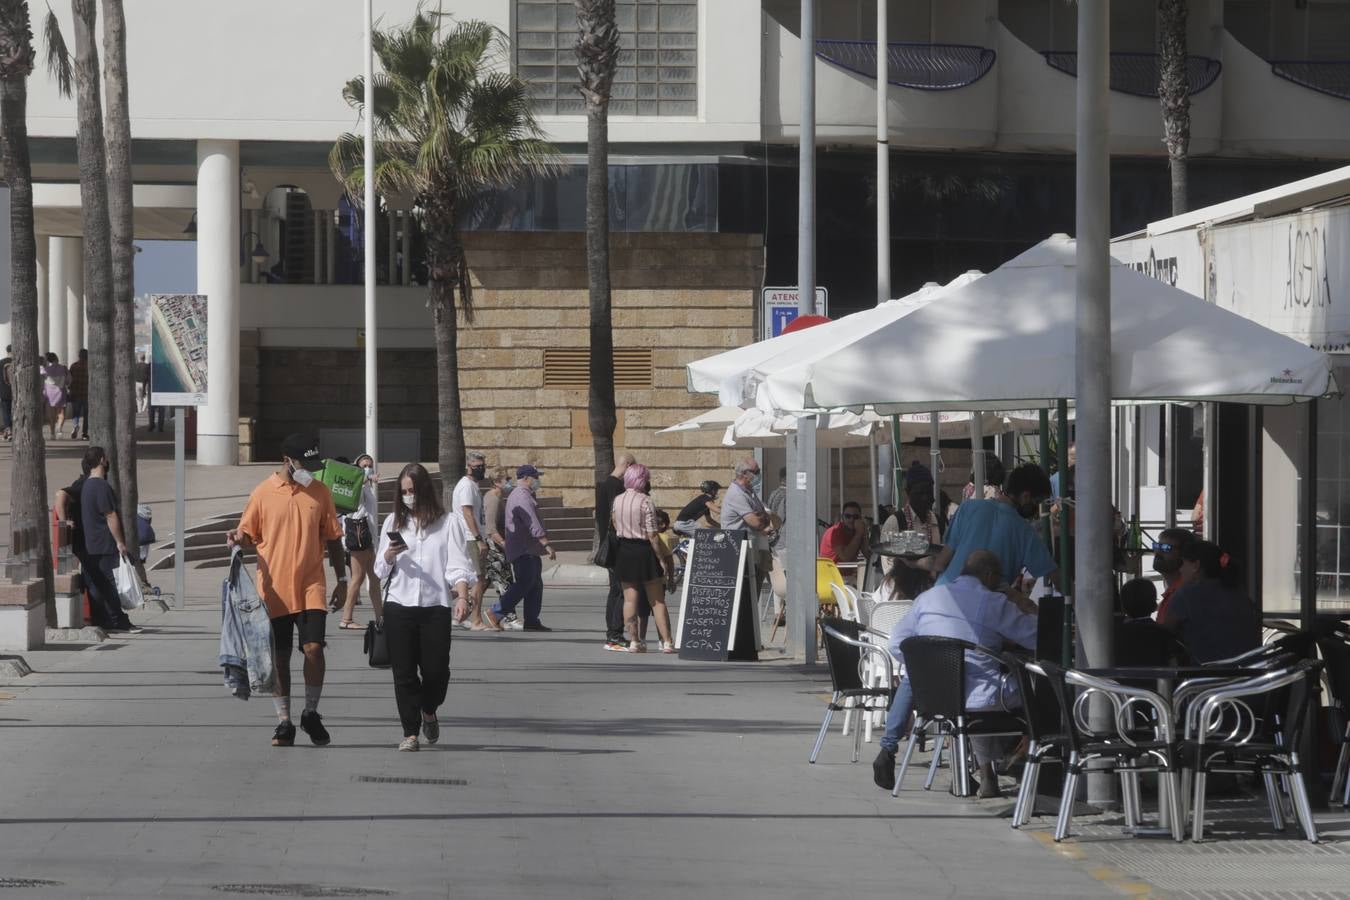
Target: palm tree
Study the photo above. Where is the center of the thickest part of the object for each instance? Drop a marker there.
(118, 139)
(93, 207)
(28, 479)
(450, 124)
(597, 49)
(1175, 96)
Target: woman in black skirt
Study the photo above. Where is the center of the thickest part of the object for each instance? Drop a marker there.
(644, 564)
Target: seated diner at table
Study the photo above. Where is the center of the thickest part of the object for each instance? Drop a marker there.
(843, 541)
(1210, 612)
(1140, 641)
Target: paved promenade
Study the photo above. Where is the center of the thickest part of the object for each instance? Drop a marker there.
(563, 771)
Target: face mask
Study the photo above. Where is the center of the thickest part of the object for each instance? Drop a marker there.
(370, 471)
(510, 483)
(534, 483)
(478, 472)
(755, 483)
(302, 477)
(1029, 510)
(1164, 565)
(409, 500)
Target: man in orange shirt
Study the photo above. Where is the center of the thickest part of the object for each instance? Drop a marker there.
(289, 518)
(842, 541)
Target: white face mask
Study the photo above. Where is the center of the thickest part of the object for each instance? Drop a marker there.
(370, 471)
(303, 477)
(410, 500)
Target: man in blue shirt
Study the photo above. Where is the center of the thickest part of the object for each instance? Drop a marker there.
(1002, 527)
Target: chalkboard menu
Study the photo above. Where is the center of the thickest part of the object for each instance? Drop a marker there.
(717, 609)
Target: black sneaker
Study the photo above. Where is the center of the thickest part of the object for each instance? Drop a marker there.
(126, 628)
(431, 730)
(883, 769)
(284, 736)
(312, 722)
(537, 626)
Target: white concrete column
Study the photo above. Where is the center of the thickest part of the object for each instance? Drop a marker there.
(218, 279)
(43, 274)
(73, 340)
(65, 297)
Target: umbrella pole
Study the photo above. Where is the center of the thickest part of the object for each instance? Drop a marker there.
(1170, 464)
(897, 463)
(802, 544)
(1045, 465)
(935, 453)
(977, 452)
(872, 479)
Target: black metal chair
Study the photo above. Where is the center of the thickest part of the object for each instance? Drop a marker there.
(1046, 731)
(844, 652)
(1336, 655)
(936, 668)
(1253, 726)
(1140, 737)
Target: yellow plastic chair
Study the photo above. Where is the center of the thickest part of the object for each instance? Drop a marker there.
(828, 577)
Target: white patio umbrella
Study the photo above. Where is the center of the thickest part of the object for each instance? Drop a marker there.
(717, 418)
(758, 428)
(726, 373)
(1007, 341)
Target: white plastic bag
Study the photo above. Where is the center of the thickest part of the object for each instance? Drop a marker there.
(128, 585)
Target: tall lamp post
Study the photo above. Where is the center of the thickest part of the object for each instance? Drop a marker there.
(368, 236)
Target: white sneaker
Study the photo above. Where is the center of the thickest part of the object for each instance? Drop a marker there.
(513, 623)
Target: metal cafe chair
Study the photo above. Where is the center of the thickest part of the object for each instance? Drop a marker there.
(936, 667)
(844, 652)
(1253, 726)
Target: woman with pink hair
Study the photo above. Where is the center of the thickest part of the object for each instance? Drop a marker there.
(643, 564)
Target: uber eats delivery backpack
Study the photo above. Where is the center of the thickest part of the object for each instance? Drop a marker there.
(344, 483)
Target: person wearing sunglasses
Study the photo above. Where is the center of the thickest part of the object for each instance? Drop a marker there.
(1167, 562)
(843, 541)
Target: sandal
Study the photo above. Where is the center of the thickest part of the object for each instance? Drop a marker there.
(668, 647)
(351, 626)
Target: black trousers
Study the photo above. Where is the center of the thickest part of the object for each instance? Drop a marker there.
(105, 608)
(419, 653)
(614, 610)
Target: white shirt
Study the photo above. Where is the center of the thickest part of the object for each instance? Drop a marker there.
(467, 494)
(436, 559)
(368, 507)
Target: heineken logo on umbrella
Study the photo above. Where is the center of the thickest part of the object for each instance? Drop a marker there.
(1286, 377)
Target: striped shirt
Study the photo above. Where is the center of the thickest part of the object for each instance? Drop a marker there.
(634, 515)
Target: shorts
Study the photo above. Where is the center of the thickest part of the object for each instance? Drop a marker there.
(310, 623)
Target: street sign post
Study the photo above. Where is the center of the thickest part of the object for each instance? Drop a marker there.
(780, 307)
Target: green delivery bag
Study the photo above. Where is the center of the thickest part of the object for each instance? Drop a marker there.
(344, 483)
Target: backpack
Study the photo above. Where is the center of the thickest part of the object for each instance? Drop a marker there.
(344, 482)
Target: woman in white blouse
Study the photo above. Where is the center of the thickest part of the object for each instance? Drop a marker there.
(423, 558)
(360, 544)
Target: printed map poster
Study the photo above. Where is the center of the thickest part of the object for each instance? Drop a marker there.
(178, 350)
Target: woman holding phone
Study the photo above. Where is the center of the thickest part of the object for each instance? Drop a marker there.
(423, 557)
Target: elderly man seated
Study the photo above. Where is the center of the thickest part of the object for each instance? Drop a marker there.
(977, 607)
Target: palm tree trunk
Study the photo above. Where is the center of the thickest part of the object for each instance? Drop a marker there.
(601, 412)
(123, 261)
(97, 233)
(1174, 95)
(448, 273)
(28, 479)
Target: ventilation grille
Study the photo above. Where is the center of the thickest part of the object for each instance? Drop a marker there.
(571, 369)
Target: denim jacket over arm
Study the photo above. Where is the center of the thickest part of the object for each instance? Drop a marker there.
(245, 634)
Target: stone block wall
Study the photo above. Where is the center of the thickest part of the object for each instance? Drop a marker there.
(685, 296)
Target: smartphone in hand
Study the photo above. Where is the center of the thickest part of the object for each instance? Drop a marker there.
(397, 539)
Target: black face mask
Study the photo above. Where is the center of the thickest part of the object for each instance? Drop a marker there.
(1165, 566)
(1029, 510)
(478, 471)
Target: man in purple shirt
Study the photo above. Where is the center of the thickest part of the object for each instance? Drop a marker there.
(526, 542)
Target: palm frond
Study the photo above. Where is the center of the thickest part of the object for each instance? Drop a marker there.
(59, 65)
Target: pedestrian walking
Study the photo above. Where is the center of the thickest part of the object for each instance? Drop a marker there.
(526, 542)
(644, 566)
(605, 492)
(359, 539)
(104, 543)
(497, 571)
(290, 518)
(55, 393)
(468, 504)
(424, 555)
(79, 396)
(142, 384)
(157, 419)
(7, 394)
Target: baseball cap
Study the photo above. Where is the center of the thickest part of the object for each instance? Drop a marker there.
(304, 449)
(527, 471)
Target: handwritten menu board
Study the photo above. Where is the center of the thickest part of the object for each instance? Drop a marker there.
(717, 613)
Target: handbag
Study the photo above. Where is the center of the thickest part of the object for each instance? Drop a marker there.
(356, 533)
(376, 642)
(607, 554)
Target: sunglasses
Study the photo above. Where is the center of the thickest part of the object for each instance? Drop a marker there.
(1162, 548)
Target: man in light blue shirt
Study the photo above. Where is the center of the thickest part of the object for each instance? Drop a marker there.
(971, 608)
(1001, 527)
